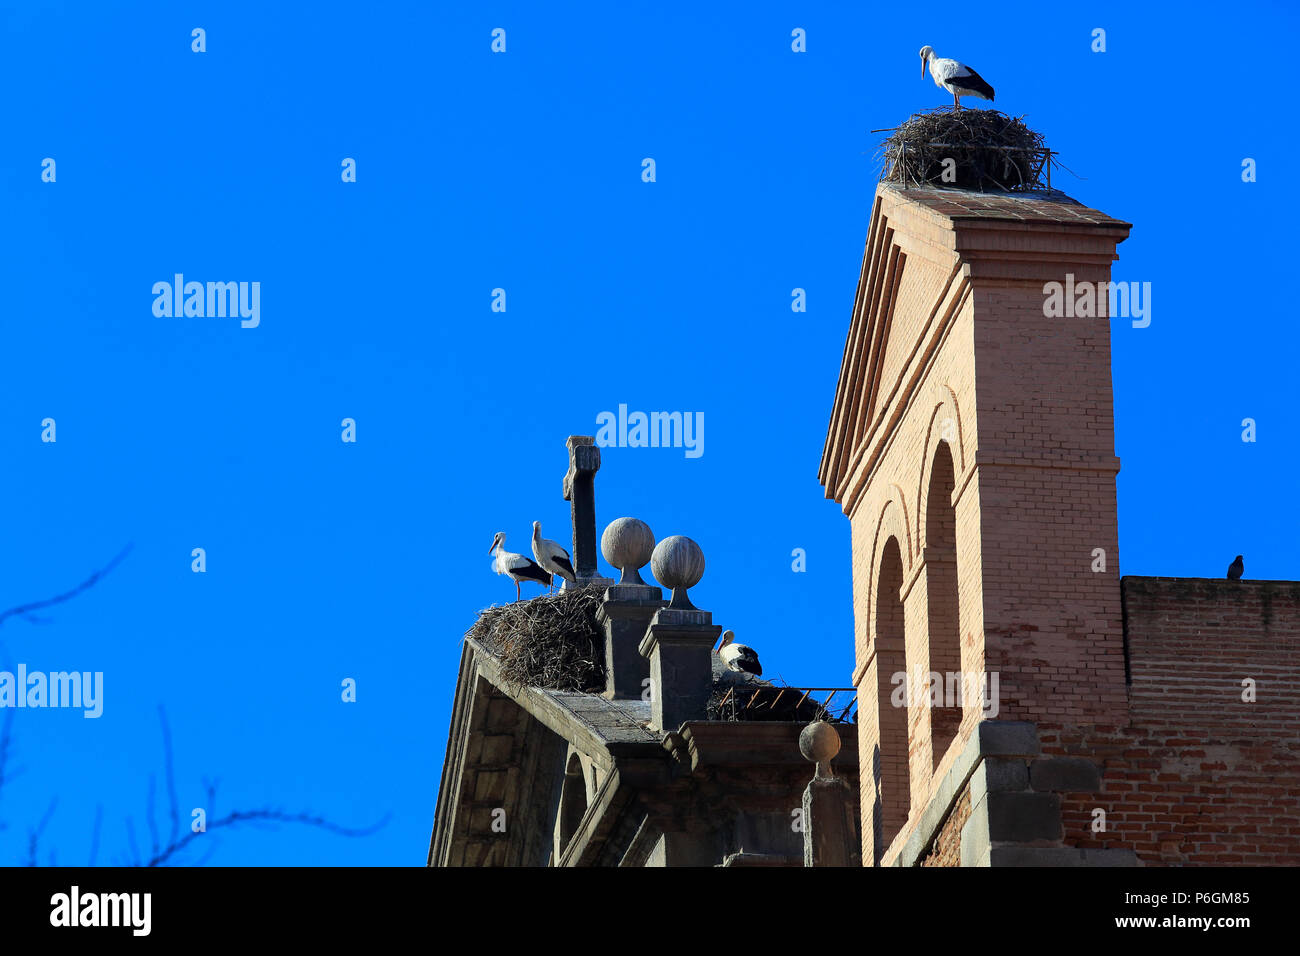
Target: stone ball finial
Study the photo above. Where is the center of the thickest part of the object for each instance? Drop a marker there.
(678, 563)
(627, 544)
(820, 742)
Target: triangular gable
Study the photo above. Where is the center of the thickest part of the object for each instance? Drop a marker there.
(857, 397)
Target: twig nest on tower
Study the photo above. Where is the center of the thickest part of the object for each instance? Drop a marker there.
(552, 640)
(965, 149)
(627, 544)
(678, 563)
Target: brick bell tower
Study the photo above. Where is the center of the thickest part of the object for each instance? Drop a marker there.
(972, 447)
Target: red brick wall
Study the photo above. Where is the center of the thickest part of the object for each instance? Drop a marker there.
(1199, 776)
(947, 845)
(1046, 481)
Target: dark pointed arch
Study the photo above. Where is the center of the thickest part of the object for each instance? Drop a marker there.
(943, 601)
(891, 772)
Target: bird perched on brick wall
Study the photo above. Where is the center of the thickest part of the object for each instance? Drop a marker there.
(551, 556)
(738, 657)
(516, 566)
(957, 78)
(1236, 569)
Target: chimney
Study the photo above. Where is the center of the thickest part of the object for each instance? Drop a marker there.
(627, 608)
(679, 641)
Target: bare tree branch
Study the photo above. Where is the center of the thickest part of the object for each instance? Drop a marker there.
(149, 819)
(171, 777)
(177, 844)
(34, 833)
(6, 730)
(8, 773)
(238, 817)
(25, 610)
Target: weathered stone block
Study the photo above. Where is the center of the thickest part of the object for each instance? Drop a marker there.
(625, 613)
(679, 645)
(1059, 856)
(998, 775)
(1008, 738)
(1023, 817)
(1065, 775)
(975, 846)
(830, 837)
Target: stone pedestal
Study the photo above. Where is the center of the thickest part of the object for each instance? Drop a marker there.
(625, 614)
(679, 645)
(829, 835)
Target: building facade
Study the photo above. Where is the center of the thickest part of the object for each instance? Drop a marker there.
(1017, 702)
(1065, 717)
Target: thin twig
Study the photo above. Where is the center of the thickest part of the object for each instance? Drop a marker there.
(169, 769)
(149, 818)
(24, 610)
(263, 816)
(34, 833)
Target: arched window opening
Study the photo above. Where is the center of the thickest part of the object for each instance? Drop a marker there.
(944, 605)
(892, 778)
(573, 800)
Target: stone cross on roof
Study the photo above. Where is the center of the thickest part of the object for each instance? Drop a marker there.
(580, 492)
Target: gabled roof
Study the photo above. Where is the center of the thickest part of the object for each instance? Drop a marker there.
(931, 219)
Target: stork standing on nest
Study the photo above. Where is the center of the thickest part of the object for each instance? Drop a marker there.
(957, 78)
(516, 566)
(739, 657)
(551, 556)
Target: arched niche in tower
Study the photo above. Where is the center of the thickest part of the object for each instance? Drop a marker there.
(890, 768)
(943, 599)
(573, 801)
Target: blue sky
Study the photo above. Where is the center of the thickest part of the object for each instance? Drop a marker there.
(522, 171)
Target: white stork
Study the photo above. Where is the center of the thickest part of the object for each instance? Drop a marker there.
(957, 78)
(739, 657)
(551, 556)
(518, 567)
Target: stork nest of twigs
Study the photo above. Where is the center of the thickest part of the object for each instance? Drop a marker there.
(965, 149)
(551, 641)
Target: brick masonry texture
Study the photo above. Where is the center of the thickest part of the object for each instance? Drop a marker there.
(1199, 776)
(947, 845)
(972, 442)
